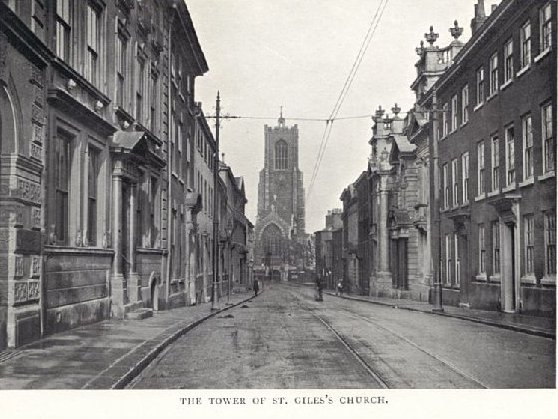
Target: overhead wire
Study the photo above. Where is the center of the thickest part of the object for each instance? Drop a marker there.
(343, 94)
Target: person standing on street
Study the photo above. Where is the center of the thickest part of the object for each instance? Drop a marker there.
(256, 287)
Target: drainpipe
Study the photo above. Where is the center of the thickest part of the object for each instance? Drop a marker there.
(169, 159)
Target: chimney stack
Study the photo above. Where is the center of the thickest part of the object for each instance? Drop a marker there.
(480, 17)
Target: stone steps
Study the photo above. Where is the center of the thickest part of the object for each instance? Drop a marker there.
(140, 314)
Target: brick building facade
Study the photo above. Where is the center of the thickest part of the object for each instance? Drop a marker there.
(497, 162)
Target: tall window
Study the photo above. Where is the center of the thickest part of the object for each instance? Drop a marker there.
(121, 61)
(493, 74)
(93, 43)
(495, 248)
(153, 196)
(546, 27)
(446, 185)
(508, 61)
(510, 155)
(140, 90)
(37, 17)
(457, 260)
(527, 133)
(454, 179)
(482, 250)
(550, 242)
(480, 86)
(63, 158)
(448, 259)
(140, 202)
(495, 158)
(281, 155)
(153, 103)
(465, 104)
(547, 138)
(92, 179)
(454, 113)
(63, 29)
(465, 176)
(480, 169)
(529, 225)
(179, 161)
(445, 120)
(525, 39)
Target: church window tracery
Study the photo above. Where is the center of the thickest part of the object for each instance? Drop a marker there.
(281, 155)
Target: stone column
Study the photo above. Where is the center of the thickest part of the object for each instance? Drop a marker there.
(117, 287)
(134, 283)
(384, 274)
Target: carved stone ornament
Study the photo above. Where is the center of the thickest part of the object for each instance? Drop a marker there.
(20, 292)
(431, 36)
(78, 241)
(18, 266)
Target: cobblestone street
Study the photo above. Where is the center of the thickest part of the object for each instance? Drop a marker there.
(284, 339)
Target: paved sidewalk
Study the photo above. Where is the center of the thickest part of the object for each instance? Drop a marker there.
(103, 355)
(534, 325)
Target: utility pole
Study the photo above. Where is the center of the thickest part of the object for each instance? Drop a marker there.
(437, 256)
(214, 291)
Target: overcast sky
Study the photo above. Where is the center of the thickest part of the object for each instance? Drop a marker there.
(263, 54)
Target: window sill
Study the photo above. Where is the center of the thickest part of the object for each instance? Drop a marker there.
(542, 55)
(51, 249)
(480, 278)
(480, 197)
(480, 105)
(527, 182)
(442, 138)
(495, 278)
(464, 124)
(529, 279)
(510, 187)
(506, 84)
(465, 204)
(493, 193)
(548, 280)
(547, 175)
(492, 96)
(523, 70)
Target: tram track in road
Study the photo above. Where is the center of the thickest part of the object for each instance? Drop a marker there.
(442, 361)
(376, 377)
(384, 382)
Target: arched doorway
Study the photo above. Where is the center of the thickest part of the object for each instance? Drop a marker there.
(154, 293)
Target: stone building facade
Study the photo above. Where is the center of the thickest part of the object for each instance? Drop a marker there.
(497, 162)
(280, 223)
(99, 199)
(201, 263)
(329, 249)
(233, 230)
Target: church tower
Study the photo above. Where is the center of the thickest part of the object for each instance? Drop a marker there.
(280, 224)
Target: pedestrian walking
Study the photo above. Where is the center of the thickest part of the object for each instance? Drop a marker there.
(319, 295)
(256, 287)
(339, 288)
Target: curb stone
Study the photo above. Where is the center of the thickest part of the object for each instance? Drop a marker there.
(515, 328)
(145, 360)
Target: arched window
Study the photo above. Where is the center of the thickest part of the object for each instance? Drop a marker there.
(281, 155)
(272, 241)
